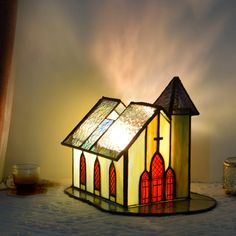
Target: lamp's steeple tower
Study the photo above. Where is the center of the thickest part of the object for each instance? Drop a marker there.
(179, 107)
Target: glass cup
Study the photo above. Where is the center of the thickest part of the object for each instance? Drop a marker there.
(26, 178)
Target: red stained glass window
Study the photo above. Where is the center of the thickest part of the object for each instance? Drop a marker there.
(145, 188)
(157, 181)
(82, 169)
(170, 182)
(112, 180)
(97, 175)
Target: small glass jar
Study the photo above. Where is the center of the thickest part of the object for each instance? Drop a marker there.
(229, 182)
(25, 177)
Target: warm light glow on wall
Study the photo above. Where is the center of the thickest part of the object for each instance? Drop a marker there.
(140, 56)
(126, 49)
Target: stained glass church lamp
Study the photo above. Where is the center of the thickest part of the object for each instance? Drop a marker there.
(136, 159)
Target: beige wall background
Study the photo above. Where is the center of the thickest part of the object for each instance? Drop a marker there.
(70, 53)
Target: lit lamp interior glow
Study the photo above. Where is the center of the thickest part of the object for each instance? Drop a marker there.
(136, 159)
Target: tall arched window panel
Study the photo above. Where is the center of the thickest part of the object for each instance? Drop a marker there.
(82, 170)
(157, 178)
(112, 180)
(97, 175)
(170, 184)
(145, 188)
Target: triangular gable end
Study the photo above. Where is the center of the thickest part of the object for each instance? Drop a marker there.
(175, 99)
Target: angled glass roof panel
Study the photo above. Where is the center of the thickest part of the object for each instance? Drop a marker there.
(97, 134)
(123, 130)
(91, 122)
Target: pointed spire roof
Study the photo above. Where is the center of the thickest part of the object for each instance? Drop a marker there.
(175, 99)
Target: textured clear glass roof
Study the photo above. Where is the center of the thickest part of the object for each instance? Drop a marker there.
(93, 122)
(109, 127)
(122, 132)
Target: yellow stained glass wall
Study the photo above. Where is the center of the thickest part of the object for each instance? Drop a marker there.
(76, 170)
(136, 166)
(151, 143)
(119, 165)
(104, 165)
(180, 153)
(164, 144)
(90, 159)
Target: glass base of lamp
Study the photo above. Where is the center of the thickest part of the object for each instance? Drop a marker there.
(196, 204)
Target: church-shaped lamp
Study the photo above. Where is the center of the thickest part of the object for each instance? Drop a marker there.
(136, 159)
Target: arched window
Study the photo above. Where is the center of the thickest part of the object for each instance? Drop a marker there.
(97, 175)
(112, 180)
(157, 180)
(145, 188)
(170, 184)
(82, 170)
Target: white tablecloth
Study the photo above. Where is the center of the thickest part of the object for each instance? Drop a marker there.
(54, 213)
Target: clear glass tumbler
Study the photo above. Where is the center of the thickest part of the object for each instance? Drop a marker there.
(25, 177)
(229, 182)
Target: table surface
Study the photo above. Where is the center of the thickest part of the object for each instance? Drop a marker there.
(54, 213)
